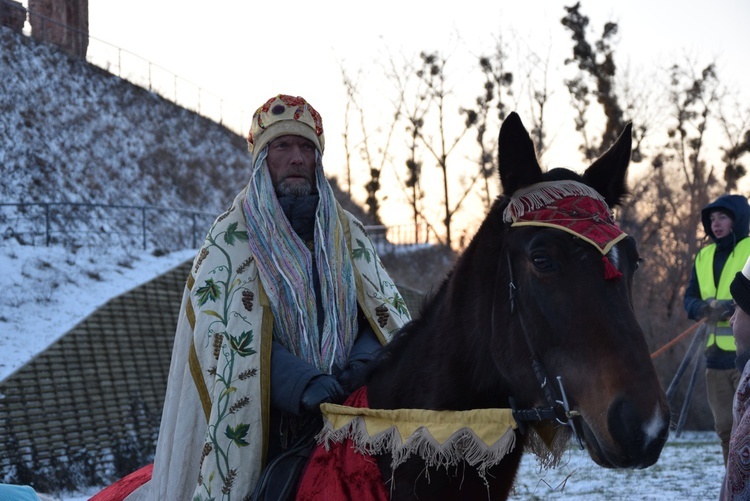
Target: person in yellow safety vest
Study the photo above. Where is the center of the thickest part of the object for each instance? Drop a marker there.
(727, 222)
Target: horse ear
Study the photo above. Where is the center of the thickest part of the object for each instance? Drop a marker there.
(608, 174)
(517, 163)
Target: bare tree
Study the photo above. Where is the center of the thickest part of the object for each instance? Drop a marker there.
(432, 73)
(497, 85)
(413, 183)
(539, 94)
(414, 112)
(693, 99)
(374, 157)
(668, 199)
(736, 126)
(643, 104)
(350, 97)
(596, 63)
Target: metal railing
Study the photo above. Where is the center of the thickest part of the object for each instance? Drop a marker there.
(134, 68)
(92, 225)
(147, 227)
(403, 236)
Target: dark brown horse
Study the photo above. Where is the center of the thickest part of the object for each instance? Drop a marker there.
(525, 303)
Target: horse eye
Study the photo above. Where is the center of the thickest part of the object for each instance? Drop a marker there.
(541, 263)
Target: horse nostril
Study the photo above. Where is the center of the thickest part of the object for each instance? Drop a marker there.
(624, 424)
(640, 438)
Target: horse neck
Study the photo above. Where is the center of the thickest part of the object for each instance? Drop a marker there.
(447, 350)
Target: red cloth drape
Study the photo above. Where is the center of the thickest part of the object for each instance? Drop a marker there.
(342, 473)
(125, 486)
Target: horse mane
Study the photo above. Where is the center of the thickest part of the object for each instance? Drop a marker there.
(433, 300)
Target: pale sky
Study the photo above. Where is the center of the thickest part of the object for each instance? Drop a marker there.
(248, 51)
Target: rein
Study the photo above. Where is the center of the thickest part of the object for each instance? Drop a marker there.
(552, 412)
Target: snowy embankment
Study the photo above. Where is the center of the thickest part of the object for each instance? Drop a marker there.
(48, 290)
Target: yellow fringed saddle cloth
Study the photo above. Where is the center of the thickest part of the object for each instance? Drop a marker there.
(481, 437)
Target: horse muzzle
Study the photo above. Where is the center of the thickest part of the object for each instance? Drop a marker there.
(630, 441)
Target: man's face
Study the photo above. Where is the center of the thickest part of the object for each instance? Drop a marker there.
(721, 224)
(291, 163)
(740, 323)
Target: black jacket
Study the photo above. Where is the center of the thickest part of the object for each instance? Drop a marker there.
(737, 206)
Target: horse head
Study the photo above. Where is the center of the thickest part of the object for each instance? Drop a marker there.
(569, 269)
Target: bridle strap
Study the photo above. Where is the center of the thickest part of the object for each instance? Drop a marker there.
(543, 413)
(536, 365)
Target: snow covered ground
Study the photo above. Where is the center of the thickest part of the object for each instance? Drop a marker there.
(48, 290)
(690, 467)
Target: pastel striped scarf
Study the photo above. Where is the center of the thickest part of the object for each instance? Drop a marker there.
(285, 267)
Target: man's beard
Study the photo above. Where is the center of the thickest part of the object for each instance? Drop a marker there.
(296, 189)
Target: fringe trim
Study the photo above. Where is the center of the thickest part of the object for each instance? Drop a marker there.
(463, 445)
(540, 195)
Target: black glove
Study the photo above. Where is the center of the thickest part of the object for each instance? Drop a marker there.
(718, 311)
(320, 389)
(351, 378)
(704, 310)
(728, 308)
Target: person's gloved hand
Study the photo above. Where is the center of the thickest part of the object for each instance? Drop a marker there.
(350, 378)
(320, 389)
(720, 310)
(727, 308)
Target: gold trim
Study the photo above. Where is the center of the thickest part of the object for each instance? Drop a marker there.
(604, 251)
(346, 225)
(200, 383)
(266, 339)
(190, 314)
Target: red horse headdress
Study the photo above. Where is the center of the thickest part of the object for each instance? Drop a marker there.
(569, 206)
